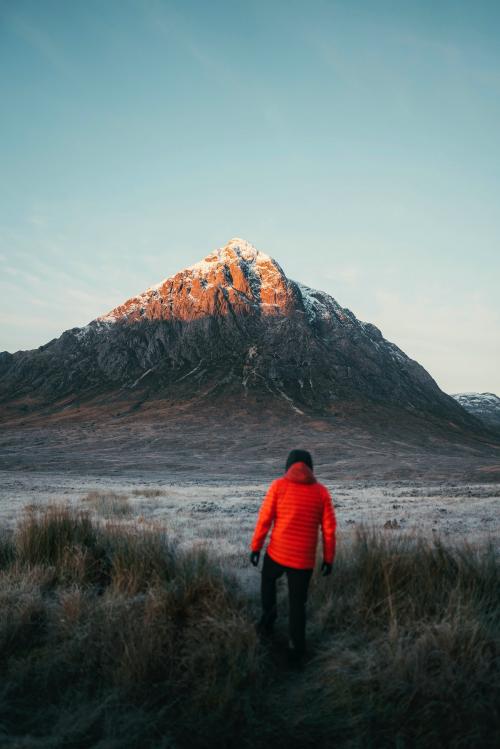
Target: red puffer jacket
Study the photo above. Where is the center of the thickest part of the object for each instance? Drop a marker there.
(298, 505)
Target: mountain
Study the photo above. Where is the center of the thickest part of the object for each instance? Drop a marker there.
(485, 406)
(235, 322)
(230, 326)
(218, 371)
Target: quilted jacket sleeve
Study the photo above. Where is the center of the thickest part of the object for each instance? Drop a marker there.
(328, 528)
(265, 519)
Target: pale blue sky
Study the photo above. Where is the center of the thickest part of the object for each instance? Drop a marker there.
(356, 142)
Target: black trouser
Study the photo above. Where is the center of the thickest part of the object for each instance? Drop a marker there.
(298, 584)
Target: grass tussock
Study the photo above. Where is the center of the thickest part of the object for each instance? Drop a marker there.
(108, 504)
(150, 493)
(110, 636)
(408, 647)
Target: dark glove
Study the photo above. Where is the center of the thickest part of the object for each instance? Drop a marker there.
(326, 569)
(254, 558)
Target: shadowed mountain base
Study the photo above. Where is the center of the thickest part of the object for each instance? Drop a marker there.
(249, 437)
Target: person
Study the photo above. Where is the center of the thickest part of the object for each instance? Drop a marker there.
(296, 505)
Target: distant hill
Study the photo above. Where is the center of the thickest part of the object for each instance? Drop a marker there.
(485, 406)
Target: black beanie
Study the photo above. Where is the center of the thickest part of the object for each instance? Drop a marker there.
(299, 456)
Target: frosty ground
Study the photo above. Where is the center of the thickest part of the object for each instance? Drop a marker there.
(220, 514)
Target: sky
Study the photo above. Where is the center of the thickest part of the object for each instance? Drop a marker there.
(357, 143)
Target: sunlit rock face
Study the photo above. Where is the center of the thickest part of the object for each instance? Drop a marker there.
(236, 278)
(228, 327)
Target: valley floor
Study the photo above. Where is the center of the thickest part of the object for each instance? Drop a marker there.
(221, 514)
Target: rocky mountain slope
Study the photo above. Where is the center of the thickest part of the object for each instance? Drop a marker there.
(231, 327)
(485, 406)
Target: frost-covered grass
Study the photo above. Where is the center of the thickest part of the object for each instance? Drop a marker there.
(149, 492)
(222, 510)
(108, 503)
(114, 634)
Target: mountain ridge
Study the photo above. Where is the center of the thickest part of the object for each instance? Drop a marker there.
(485, 406)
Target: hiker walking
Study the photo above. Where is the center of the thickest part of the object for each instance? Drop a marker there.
(297, 504)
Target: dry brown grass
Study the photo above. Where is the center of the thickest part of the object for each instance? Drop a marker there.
(407, 646)
(108, 504)
(110, 636)
(108, 632)
(149, 492)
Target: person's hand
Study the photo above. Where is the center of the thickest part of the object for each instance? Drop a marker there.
(326, 569)
(254, 558)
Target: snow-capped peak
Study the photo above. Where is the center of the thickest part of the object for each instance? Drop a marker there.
(235, 249)
(486, 406)
(236, 274)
